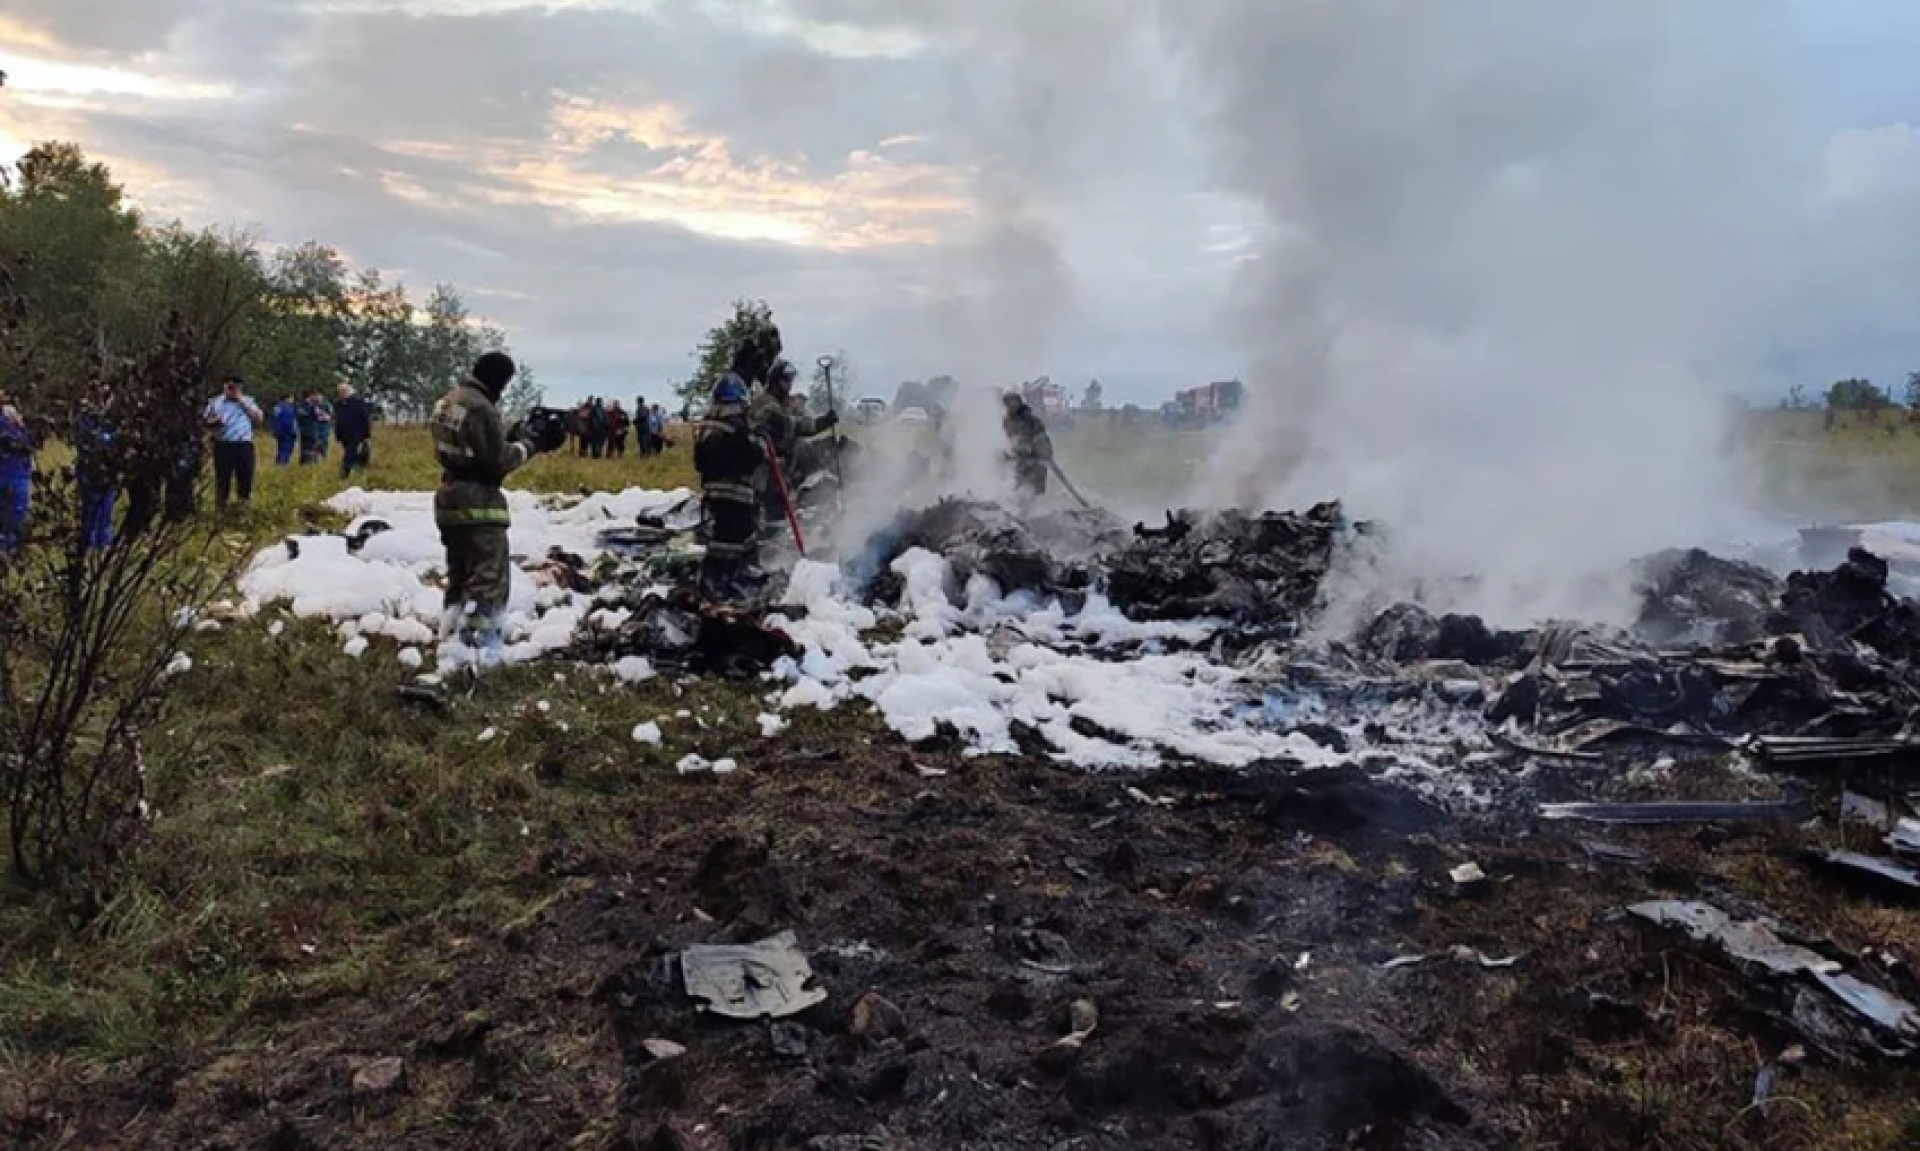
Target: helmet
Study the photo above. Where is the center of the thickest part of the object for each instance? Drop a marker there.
(783, 373)
(730, 390)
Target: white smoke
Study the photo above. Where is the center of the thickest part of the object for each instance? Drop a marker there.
(1512, 249)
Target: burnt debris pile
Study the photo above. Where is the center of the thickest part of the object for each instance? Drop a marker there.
(1261, 571)
(677, 631)
(1723, 650)
(1050, 555)
(1690, 598)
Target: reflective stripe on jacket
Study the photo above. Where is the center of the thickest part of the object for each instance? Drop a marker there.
(475, 458)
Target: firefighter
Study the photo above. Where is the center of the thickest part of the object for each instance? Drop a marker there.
(730, 457)
(1029, 448)
(476, 455)
(774, 418)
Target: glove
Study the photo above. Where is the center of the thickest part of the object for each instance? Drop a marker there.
(518, 434)
(827, 422)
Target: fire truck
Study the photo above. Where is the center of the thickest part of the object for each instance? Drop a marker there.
(1210, 403)
(1046, 397)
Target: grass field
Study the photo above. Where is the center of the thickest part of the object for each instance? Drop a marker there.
(324, 845)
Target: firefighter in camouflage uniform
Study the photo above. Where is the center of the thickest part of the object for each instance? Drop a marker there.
(772, 415)
(477, 453)
(1029, 448)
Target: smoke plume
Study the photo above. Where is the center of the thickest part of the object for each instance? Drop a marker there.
(1511, 251)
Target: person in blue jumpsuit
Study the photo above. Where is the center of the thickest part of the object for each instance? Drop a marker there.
(16, 474)
(286, 430)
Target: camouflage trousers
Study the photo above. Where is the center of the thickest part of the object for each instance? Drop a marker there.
(478, 567)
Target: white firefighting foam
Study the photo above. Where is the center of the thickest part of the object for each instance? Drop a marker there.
(979, 663)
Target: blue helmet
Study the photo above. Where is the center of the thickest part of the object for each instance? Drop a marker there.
(730, 390)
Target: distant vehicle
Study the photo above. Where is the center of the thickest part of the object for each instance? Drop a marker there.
(869, 410)
(914, 416)
(1211, 403)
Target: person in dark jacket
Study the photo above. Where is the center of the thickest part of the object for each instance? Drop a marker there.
(1030, 448)
(729, 456)
(476, 455)
(596, 427)
(16, 474)
(286, 431)
(353, 427)
(618, 425)
(97, 476)
(315, 420)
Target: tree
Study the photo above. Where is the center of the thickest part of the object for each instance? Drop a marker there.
(76, 251)
(304, 328)
(523, 395)
(1913, 391)
(1091, 402)
(1797, 400)
(751, 321)
(212, 284)
(1856, 395)
(90, 631)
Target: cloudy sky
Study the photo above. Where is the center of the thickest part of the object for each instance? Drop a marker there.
(994, 188)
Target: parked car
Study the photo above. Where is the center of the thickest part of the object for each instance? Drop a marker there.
(869, 410)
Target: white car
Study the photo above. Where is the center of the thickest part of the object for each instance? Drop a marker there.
(914, 416)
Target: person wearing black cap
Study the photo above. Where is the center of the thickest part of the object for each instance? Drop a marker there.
(476, 454)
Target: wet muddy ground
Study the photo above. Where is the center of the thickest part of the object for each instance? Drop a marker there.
(1234, 933)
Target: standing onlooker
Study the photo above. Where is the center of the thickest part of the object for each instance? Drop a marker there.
(617, 426)
(233, 416)
(353, 425)
(16, 474)
(596, 427)
(95, 476)
(579, 428)
(286, 431)
(657, 428)
(316, 428)
(642, 428)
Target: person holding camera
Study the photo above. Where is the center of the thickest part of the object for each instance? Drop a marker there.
(233, 416)
(477, 453)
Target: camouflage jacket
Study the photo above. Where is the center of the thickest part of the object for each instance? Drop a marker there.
(776, 420)
(475, 458)
(1028, 438)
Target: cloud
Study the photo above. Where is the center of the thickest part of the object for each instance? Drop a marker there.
(1002, 188)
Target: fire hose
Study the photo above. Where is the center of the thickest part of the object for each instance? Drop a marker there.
(1068, 484)
(786, 499)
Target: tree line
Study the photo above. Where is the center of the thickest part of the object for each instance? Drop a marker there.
(1854, 394)
(100, 282)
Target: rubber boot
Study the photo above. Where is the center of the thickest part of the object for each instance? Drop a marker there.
(487, 637)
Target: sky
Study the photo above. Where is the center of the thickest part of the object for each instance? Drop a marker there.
(1000, 189)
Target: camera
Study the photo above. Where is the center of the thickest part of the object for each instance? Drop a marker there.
(547, 429)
